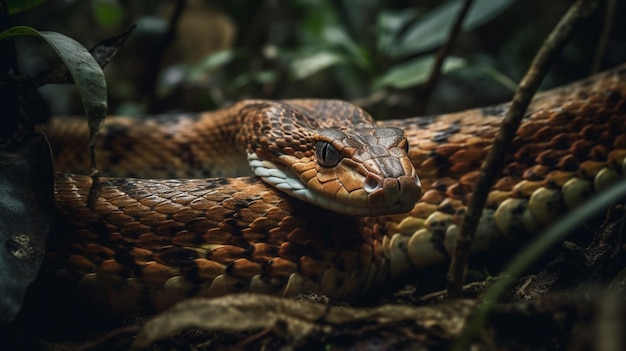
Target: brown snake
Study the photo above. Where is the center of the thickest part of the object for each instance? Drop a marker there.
(147, 244)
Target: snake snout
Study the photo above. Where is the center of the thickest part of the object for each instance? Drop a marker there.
(395, 194)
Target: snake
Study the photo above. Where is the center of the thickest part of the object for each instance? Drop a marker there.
(314, 196)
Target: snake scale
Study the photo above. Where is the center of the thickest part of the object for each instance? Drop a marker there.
(147, 243)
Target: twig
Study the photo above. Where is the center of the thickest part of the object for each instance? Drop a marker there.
(116, 333)
(609, 16)
(159, 54)
(435, 73)
(495, 159)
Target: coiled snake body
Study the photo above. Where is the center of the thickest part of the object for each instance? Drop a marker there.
(147, 244)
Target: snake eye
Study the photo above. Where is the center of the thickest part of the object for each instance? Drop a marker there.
(327, 155)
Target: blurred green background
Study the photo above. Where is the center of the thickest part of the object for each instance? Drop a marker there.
(372, 52)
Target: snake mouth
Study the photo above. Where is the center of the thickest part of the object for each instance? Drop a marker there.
(376, 195)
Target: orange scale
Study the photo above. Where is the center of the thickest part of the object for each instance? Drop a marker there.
(152, 218)
(168, 227)
(151, 200)
(104, 207)
(252, 236)
(183, 199)
(529, 129)
(460, 168)
(259, 206)
(620, 141)
(110, 192)
(312, 267)
(218, 213)
(136, 209)
(141, 255)
(433, 196)
(152, 241)
(525, 188)
(156, 274)
(262, 225)
(81, 265)
(616, 157)
(556, 179)
(186, 215)
(122, 201)
(422, 210)
(599, 153)
(118, 218)
(98, 252)
(506, 183)
(280, 268)
(496, 197)
(216, 236)
(208, 269)
(589, 169)
(536, 172)
(202, 204)
(462, 138)
(244, 269)
(263, 252)
(112, 271)
(469, 178)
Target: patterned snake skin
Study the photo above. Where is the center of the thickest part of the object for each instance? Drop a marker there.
(150, 243)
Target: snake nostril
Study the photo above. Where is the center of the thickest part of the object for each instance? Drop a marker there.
(372, 183)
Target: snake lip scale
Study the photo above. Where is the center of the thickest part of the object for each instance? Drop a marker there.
(148, 243)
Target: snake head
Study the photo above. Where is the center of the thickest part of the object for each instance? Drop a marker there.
(361, 171)
(366, 170)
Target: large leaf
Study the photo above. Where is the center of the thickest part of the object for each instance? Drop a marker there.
(26, 207)
(85, 71)
(414, 72)
(433, 29)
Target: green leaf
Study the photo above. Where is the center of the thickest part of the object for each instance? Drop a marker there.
(414, 72)
(308, 65)
(17, 6)
(433, 29)
(85, 71)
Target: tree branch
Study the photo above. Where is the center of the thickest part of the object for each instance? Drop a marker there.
(544, 59)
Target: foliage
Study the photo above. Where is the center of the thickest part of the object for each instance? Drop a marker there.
(27, 174)
(377, 53)
(361, 60)
(85, 71)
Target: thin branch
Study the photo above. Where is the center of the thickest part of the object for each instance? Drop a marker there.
(544, 59)
(609, 16)
(155, 63)
(444, 51)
